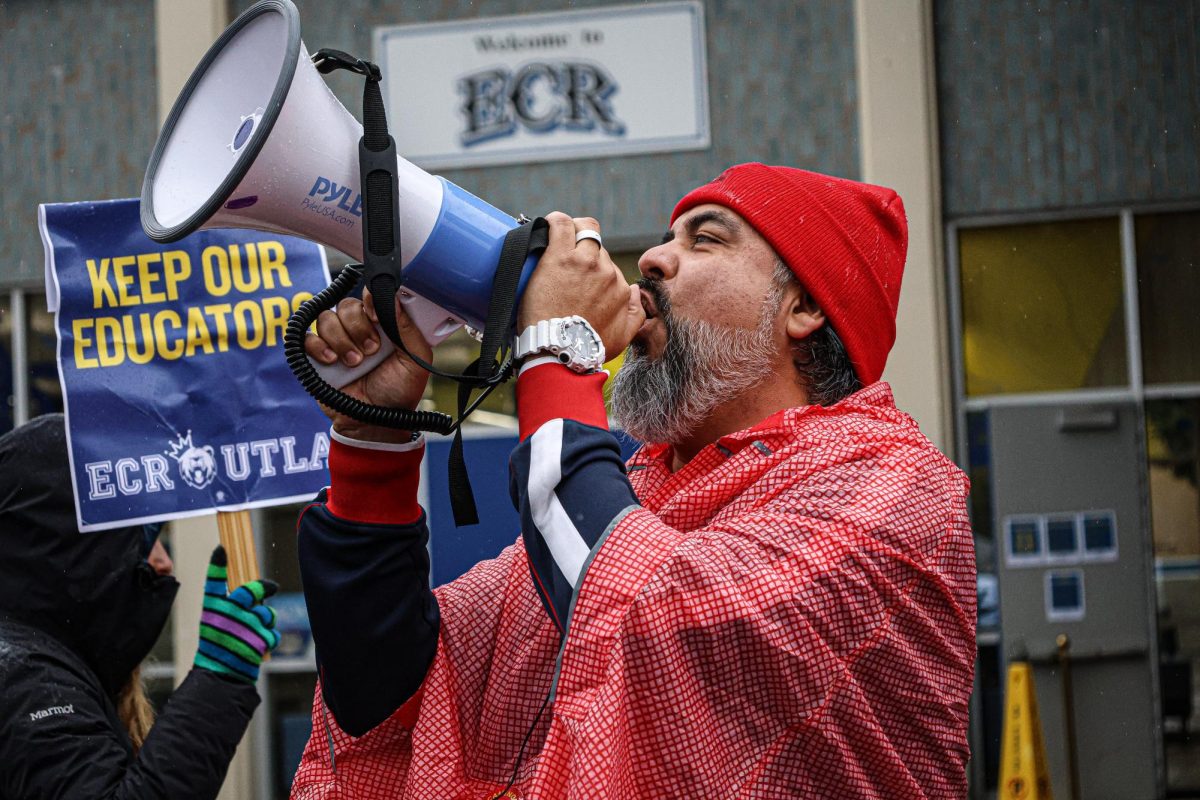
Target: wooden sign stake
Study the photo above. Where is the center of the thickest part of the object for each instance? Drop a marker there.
(237, 536)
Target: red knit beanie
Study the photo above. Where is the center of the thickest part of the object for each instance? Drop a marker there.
(845, 241)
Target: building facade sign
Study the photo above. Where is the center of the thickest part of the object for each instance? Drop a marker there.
(541, 87)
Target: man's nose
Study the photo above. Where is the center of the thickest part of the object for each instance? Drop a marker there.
(658, 262)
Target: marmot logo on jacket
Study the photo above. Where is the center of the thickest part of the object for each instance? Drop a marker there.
(34, 716)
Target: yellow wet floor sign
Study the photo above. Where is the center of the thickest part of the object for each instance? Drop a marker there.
(1023, 774)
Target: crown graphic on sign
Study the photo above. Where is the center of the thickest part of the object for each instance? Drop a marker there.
(180, 447)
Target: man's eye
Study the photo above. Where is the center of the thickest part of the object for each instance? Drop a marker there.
(703, 238)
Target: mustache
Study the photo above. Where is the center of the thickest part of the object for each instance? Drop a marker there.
(654, 287)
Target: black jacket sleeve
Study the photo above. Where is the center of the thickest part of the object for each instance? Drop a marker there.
(60, 736)
(374, 619)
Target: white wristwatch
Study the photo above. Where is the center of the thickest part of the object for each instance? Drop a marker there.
(570, 339)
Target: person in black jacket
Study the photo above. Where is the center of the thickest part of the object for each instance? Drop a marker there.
(78, 613)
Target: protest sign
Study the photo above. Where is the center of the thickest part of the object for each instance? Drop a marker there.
(177, 396)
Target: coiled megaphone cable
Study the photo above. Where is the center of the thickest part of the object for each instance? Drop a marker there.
(328, 395)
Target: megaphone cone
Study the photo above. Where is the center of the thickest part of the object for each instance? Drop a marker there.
(257, 140)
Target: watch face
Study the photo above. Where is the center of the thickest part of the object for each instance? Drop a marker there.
(581, 341)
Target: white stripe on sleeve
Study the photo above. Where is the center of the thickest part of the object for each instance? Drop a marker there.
(566, 545)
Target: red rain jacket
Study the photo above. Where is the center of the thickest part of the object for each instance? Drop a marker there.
(792, 614)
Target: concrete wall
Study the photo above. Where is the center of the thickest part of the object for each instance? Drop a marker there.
(1058, 105)
(77, 114)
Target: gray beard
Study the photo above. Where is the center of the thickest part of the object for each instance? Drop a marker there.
(702, 366)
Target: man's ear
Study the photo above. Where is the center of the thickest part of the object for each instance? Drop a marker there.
(803, 314)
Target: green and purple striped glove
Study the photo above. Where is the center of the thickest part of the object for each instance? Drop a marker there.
(236, 628)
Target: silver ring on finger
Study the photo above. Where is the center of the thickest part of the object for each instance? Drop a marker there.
(587, 233)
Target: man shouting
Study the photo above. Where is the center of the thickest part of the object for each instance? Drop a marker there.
(773, 598)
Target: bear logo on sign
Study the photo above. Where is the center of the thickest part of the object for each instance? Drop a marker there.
(197, 465)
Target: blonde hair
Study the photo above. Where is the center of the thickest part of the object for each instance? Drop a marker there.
(135, 710)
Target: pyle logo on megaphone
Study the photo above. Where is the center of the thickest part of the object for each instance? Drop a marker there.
(293, 169)
(327, 191)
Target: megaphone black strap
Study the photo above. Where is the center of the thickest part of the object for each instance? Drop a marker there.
(399, 418)
(462, 499)
(327, 59)
(377, 170)
(519, 243)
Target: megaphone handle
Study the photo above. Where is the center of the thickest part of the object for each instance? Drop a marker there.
(338, 375)
(434, 322)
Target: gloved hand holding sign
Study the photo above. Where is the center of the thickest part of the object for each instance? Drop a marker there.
(236, 629)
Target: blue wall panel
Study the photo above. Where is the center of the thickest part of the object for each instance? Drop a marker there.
(455, 550)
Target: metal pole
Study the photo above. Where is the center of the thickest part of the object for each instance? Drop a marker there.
(1064, 671)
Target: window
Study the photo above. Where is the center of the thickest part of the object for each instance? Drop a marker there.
(979, 470)
(1042, 307)
(1100, 535)
(1064, 596)
(1168, 270)
(1024, 541)
(41, 343)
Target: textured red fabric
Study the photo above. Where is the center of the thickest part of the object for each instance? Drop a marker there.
(540, 393)
(790, 615)
(845, 240)
(375, 485)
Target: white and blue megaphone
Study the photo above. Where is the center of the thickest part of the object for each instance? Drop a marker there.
(257, 140)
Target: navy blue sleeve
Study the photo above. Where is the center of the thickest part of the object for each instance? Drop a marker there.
(568, 482)
(374, 618)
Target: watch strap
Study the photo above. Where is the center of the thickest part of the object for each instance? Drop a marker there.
(537, 337)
